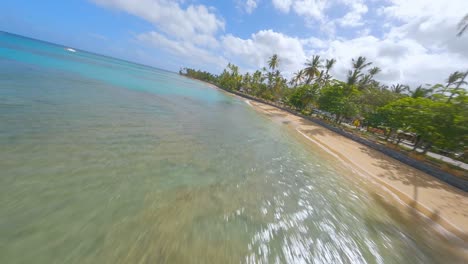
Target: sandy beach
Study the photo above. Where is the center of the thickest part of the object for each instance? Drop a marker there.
(445, 205)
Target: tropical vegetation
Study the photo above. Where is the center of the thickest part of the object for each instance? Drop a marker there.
(435, 115)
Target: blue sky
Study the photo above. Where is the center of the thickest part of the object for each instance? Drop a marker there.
(413, 41)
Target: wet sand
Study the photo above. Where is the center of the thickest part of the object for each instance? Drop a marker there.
(445, 205)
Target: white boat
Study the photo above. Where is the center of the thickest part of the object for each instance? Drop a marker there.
(70, 49)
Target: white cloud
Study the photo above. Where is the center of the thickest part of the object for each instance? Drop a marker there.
(354, 17)
(316, 10)
(250, 6)
(311, 8)
(307, 8)
(402, 61)
(422, 48)
(418, 44)
(313, 43)
(282, 5)
(364, 32)
(185, 49)
(406, 11)
(255, 51)
(189, 33)
(196, 22)
(435, 26)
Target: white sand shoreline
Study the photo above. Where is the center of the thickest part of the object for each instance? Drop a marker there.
(430, 201)
(443, 205)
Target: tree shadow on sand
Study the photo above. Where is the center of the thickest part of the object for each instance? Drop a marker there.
(397, 171)
(417, 236)
(452, 200)
(311, 130)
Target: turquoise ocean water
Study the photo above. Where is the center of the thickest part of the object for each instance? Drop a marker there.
(106, 161)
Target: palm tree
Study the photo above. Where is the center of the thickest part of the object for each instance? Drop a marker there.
(364, 81)
(453, 77)
(369, 78)
(270, 77)
(400, 88)
(247, 82)
(456, 78)
(328, 66)
(451, 80)
(273, 62)
(278, 82)
(298, 77)
(421, 92)
(374, 71)
(460, 80)
(462, 26)
(358, 66)
(312, 68)
(383, 87)
(310, 94)
(257, 77)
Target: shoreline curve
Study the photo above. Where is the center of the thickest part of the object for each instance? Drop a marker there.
(438, 201)
(442, 204)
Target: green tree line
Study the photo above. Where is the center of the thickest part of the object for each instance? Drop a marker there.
(436, 114)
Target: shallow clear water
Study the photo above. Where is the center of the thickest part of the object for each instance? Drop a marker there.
(105, 161)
